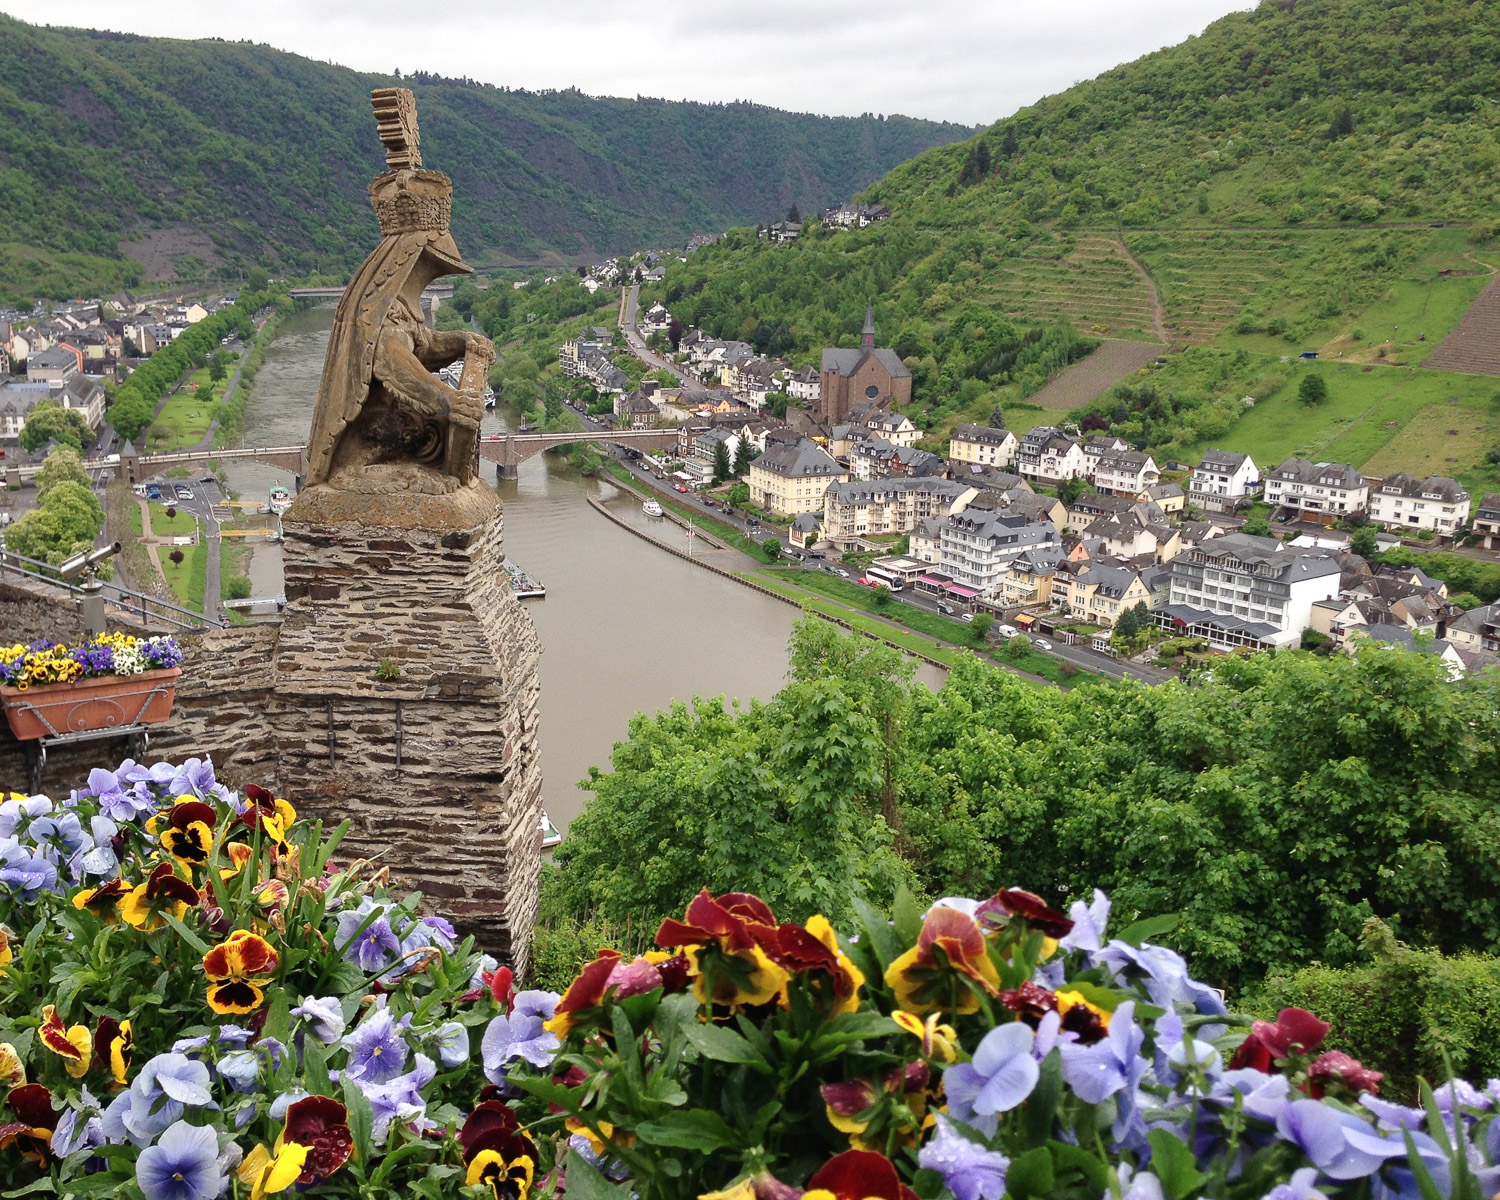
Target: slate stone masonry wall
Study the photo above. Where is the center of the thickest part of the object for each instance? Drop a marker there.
(436, 770)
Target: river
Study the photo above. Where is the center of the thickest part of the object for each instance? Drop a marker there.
(625, 628)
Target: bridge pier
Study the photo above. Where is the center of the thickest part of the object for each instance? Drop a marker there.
(507, 471)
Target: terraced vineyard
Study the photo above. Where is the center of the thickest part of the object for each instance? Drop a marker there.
(1474, 346)
(1089, 379)
(1208, 279)
(1090, 281)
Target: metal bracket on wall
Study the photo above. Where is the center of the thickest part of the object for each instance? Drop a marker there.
(333, 761)
(398, 735)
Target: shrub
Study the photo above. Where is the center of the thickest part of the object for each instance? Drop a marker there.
(176, 556)
(237, 587)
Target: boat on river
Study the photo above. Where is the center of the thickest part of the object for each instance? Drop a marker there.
(525, 586)
(550, 834)
(279, 498)
(652, 509)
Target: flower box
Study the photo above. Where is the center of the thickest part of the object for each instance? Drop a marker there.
(89, 704)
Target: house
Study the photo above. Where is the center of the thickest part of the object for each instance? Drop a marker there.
(978, 545)
(806, 530)
(926, 541)
(1168, 497)
(1022, 501)
(983, 445)
(1240, 590)
(656, 320)
(635, 410)
(1100, 590)
(1487, 518)
(1029, 579)
(1047, 456)
(707, 443)
(86, 395)
(1322, 492)
(17, 398)
(856, 509)
(877, 376)
(783, 231)
(1477, 630)
(55, 366)
(1395, 635)
(1124, 473)
(1090, 506)
(571, 354)
(1135, 534)
(803, 384)
(892, 427)
(1097, 447)
(791, 477)
(1438, 504)
(879, 459)
(1223, 481)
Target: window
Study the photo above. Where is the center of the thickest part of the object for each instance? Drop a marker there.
(872, 391)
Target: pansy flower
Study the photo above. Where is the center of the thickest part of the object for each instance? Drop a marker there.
(812, 952)
(947, 968)
(72, 1045)
(188, 835)
(12, 1069)
(269, 1173)
(112, 1045)
(269, 813)
(1296, 1031)
(238, 970)
(6, 953)
(858, 1175)
(730, 942)
(104, 900)
(31, 1105)
(938, 1041)
(1082, 1016)
(163, 892)
(322, 1125)
(1335, 1068)
(1010, 904)
(496, 1152)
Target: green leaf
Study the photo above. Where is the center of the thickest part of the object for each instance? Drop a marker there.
(1173, 1164)
(43, 1187)
(1102, 997)
(1151, 927)
(361, 1120)
(1031, 1174)
(886, 942)
(315, 1067)
(278, 1017)
(1041, 1108)
(1076, 1158)
(585, 1183)
(692, 1130)
(906, 916)
(721, 1045)
(1425, 1184)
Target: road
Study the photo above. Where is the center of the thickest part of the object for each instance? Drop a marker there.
(630, 324)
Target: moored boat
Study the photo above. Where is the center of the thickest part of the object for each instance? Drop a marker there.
(524, 585)
(279, 498)
(651, 508)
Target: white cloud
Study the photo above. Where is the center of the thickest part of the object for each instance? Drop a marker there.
(963, 60)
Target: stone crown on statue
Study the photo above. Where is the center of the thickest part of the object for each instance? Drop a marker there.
(412, 202)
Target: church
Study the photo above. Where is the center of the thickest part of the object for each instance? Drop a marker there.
(864, 377)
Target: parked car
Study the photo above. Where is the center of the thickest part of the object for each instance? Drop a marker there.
(1007, 631)
(184, 493)
(967, 617)
(680, 488)
(1041, 643)
(945, 609)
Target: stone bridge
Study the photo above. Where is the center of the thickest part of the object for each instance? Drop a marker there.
(292, 459)
(508, 450)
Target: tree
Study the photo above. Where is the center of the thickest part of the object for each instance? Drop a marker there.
(1071, 489)
(770, 550)
(721, 462)
(50, 421)
(980, 626)
(218, 365)
(1363, 542)
(237, 587)
(1128, 625)
(1016, 649)
(62, 466)
(257, 279)
(882, 598)
(176, 556)
(742, 456)
(1257, 526)
(65, 523)
(1342, 125)
(793, 216)
(675, 330)
(1312, 390)
(739, 495)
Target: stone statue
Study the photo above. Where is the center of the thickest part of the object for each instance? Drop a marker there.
(384, 424)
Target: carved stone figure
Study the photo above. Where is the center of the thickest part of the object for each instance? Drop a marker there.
(384, 423)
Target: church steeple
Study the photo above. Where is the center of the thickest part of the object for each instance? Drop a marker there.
(867, 337)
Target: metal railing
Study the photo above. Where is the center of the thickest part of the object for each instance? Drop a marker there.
(126, 599)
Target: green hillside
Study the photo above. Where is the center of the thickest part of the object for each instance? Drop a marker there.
(1312, 175)
(206, 156)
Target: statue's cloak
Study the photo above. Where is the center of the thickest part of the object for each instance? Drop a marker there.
(364, 308)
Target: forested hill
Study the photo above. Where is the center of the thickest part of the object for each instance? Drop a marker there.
(246, 154)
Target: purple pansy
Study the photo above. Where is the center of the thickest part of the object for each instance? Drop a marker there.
(1316, 1130)
(518, 1035)
(182, 1165)
(375, 947)
(377, 1052)
(324, 1016)
(1001, 1075)
(969, 1171)
(399, 1098)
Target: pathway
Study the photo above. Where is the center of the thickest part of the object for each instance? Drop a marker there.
(1158, 318)
(629, 302)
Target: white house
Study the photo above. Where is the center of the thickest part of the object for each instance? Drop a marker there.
(1046, 455)
(1222, 481)
(978, 546)
(1322, 492)
(983, 445)
(804, 384)
(1402, 501)
(1125, 473)
(1258, 591)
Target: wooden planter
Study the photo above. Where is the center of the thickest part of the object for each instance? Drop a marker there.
(87, 705)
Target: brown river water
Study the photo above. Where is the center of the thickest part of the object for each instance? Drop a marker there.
(625, 627)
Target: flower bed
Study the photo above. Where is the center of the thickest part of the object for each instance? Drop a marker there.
(47, 662)
(196, 1001)
(47, 688)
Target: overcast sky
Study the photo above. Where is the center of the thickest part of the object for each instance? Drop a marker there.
(972, 61)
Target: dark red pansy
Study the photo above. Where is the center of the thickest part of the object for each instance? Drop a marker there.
(735, 921)
(1296, 1031)
(860, 1175)
(1013, 902)
(489, 1120)
(165, 884)
(1336, 1067)
(674, 973)
(1030, 1002)
(321, 1124)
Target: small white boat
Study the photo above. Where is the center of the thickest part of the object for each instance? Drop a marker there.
(550, 835)
(489, 399)
(279, 499)
(525, 586)
(652, 509)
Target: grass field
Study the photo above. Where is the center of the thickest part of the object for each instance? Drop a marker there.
(187, 579)
(726, 533)
(185, 419)
(1368, 409)
(180, 524)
